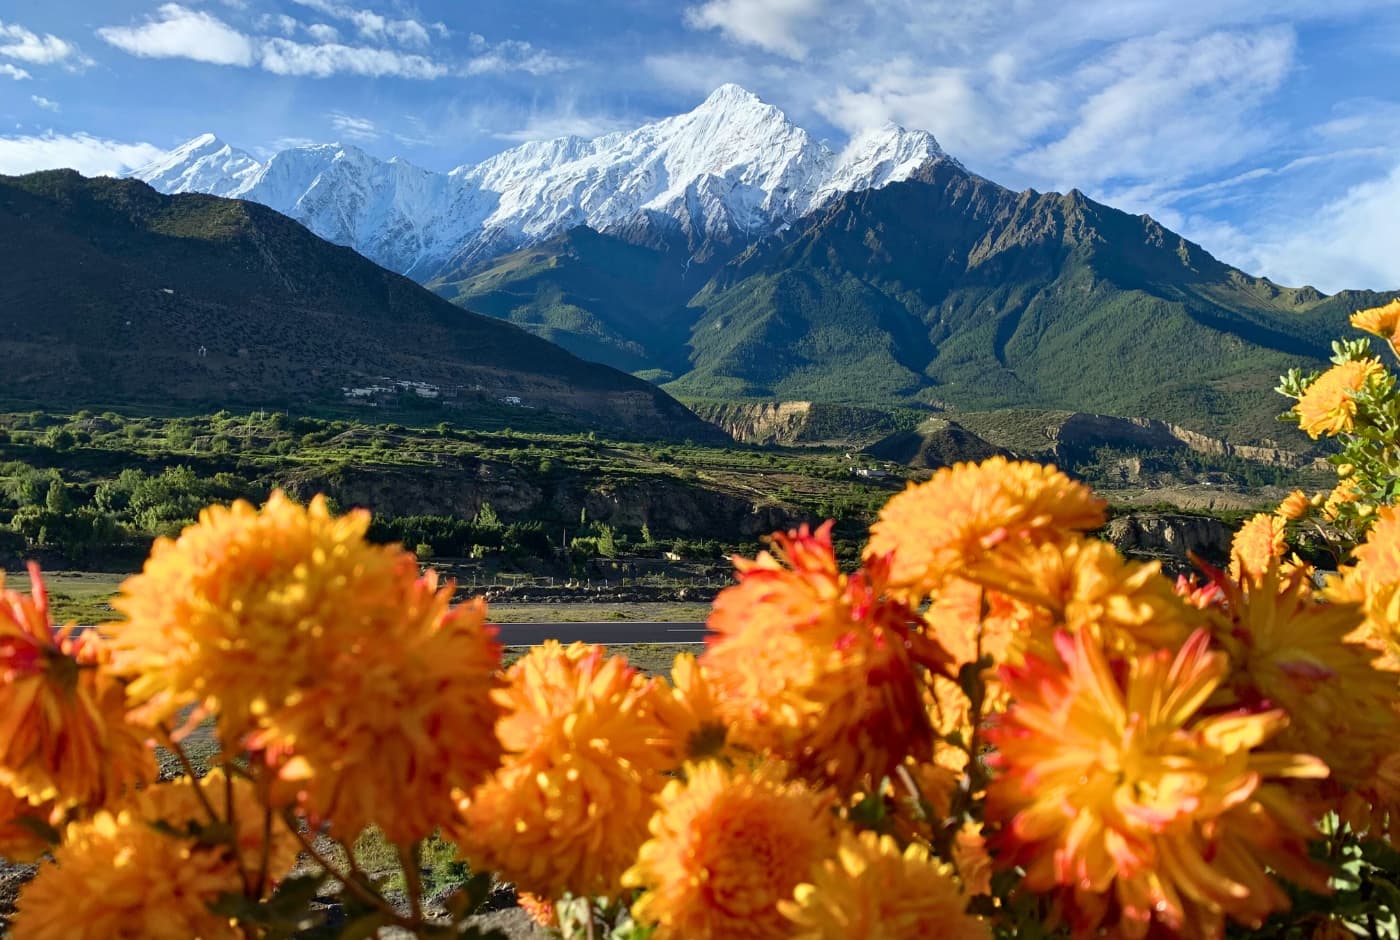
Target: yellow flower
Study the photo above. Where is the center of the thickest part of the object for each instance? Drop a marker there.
(1084, 584)
(243, 610)
(118, 877)
(395, 724)
(1259, 543)
(1328, 406)
(1383, 321)
(817, 667)
(21, 825)
(63, 733)
(951, 521)
(1114, 793)
(726, 847)
(692, 713)
(1308, 658)
(873, 891)
(586, 753)
(1295, 506)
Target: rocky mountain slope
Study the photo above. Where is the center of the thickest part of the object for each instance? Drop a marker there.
(733, 169)
(115, 294)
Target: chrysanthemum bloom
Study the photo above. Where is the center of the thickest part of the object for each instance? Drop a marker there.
(970, 858)
(21, 825)
(586, 753)
(1374, 581)
(1328, 406)
(541, 910)
(1112, 791)
(1259, 543)
(63, 733)
(938, 527)
(873, 891)
(1083, 584)
(726, 846)
(1382, 321)
(1343, 494)
(1308, 658)
(243, 610)
(119, 877)
(817, 667)
(396, 723)
(692, 713)
(1295, 506)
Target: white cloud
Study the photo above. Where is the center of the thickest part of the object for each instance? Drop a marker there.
(355, 128)
(179, 32)
(14, 71)
(563, 123)
(22, 44)
(1352, 241)
(281, 22)
(46, 103)
(89, 155)
(512, 56)
(323, 32)
(377, 27)
(285, 57)
(774, 25)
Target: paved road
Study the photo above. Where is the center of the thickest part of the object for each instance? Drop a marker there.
(608, 631)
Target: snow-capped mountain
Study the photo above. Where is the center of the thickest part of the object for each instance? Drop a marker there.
(735, 167)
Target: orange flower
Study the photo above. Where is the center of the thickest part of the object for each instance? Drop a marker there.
(63, 735)
(726, 847)
(1083, 584)
(1307, 658)
(395, 724)
(21, 827)
(1342, 495)
(586, 752)
(692, 713)
(1374, 581)
(872, 890)
(971, 860)
(1259, 543)
(1295, 506)
(951, 521)
(118, 877)
(541, 910)
(817, 667)
(241, 613)
(1383, 321)
(1115, 793)
(1328, 406)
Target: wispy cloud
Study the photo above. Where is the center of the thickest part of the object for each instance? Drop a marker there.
(286, 57)
(46, 103)
(25, 45)
(89, 155)
(353, 127)
(774, 25)
(511, 56)
(375, 26)
(13, 71)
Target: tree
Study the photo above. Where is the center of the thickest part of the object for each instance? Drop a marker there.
(58, 500)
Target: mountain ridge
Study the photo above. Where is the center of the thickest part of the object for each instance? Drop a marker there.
(123, 295)
(732, 168)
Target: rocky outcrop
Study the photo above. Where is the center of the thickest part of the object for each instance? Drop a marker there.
(1080, 431)
(668, 506)
(1170, 537)
(803, 423)
(936, 443)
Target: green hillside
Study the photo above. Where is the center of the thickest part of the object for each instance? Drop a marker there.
(949, 291)
(115, 295)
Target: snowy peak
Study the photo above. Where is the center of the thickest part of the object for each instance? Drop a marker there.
(733, 168)
(203, 165)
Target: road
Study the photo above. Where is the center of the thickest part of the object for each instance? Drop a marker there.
(607, 631)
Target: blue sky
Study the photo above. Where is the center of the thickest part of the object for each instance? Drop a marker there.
(1267, 131)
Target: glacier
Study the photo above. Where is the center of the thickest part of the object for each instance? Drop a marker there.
(733, 169)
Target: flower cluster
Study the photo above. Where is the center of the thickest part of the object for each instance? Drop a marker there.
(995, 720)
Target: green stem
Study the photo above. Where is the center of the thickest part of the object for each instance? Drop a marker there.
(351, 882)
